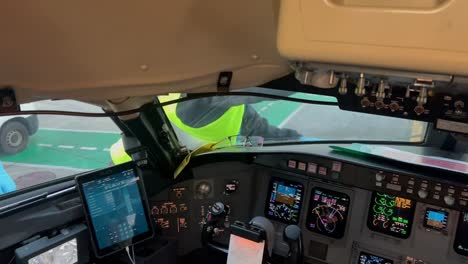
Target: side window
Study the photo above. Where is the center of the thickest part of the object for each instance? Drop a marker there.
(40, 148)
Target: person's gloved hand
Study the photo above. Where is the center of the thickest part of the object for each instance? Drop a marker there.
(6, 183)
(307, 139)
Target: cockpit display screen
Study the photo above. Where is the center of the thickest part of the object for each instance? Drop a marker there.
(328, 211)
(366, 258)
(435, 219)
(391, 215)
(284, 201)
(460, 244)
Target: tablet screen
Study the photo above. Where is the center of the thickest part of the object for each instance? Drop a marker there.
(116, 208)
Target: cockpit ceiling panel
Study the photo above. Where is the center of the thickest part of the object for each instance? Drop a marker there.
(110, 49)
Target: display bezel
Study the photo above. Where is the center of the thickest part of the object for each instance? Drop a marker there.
(425, 220)
(267, 204)
(309, 212)
(95, 175)
(374, 255)
(387, 232)
(457, 235)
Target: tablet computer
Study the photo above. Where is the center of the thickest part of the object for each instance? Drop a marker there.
(115, 207)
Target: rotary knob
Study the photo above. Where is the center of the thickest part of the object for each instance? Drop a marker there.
(379, 177)
(449, 200)
(203, 189)
(419, 109)
(394, 106)
(365, 102)
(379, 104)
(423, 194)
(218, 208)
(459, 105)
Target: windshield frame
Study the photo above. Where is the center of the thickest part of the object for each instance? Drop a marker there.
(156, 105)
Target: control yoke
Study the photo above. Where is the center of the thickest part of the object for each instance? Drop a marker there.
(258, 229)
(293, 236)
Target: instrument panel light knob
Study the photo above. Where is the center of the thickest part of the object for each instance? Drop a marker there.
(379, 177)
(419, 109)
(449, 200)
(379, 104)
(365, 102)
(394, 106)
(423, 194)
(203, 188)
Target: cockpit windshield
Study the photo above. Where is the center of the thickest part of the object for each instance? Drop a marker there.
(278, 121)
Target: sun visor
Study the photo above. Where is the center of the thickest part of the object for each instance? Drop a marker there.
(419, 35)
(114, 48)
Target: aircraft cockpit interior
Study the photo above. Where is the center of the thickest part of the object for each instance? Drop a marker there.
(239, 132)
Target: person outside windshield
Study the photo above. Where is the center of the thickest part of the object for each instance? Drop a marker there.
(213, 119)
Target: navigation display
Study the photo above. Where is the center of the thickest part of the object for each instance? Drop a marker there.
(115, 209)
(435, 219)
(328, 211)
(460, 244)
(391, 215)
(366, 258)
(284, 201)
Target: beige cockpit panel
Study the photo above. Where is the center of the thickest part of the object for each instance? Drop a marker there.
(115, 48)
(417, 35)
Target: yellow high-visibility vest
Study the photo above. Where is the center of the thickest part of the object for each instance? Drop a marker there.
(229, 124)
(118, 154)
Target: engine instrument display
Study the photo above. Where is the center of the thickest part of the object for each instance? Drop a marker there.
(328, 211)
(391, 215)
(460, 244)
(366, 258)
(284, 201)
(435, 219)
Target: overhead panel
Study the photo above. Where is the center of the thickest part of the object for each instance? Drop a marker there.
(418, 35)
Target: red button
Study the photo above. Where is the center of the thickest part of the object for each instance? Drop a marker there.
(322, 171)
